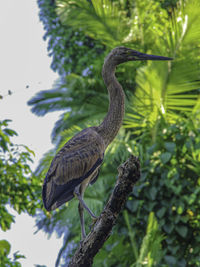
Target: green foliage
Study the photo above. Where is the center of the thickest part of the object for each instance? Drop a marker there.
(4, 255)
(110, 25)
(163, 89)
(17, 188)
(161, 124)
(170, 188)
(122, 249)
(150, 251)
(71, 50)
(169, 89)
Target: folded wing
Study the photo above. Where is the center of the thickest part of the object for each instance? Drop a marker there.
(79, 159)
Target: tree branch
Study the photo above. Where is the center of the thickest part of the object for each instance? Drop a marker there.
(129, 174)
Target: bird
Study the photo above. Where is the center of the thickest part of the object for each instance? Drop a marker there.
(78, 162)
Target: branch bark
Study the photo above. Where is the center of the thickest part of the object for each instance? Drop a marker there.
(129, 174)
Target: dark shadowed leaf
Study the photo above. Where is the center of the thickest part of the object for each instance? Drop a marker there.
(165, 157)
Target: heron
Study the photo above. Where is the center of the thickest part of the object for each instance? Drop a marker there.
(78, 162)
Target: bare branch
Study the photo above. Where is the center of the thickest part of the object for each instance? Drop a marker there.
(129, 174)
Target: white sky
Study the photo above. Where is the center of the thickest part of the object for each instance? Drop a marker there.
(24, 61)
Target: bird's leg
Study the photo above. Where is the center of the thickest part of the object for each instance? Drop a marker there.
(78, 192)
(81, 214)
(82, 202)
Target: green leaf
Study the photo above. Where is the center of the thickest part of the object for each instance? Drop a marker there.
(180, 208)
(168, 228)
(170, 146)
(133, 205)
(170, 260)
(153, 192)
(18, 256)
(165, 157)
(161, 212)
(182, 230)
(131, 235)
(9, 132)
(4, 247)
(177, 219)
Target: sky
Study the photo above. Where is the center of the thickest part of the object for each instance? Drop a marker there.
(25, 70)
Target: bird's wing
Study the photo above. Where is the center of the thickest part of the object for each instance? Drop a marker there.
(80, 158)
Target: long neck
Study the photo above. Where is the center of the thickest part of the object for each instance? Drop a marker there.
(110, 126)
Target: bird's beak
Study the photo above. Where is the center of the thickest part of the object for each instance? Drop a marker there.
(141, 56)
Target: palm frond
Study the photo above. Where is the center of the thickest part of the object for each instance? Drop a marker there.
(168, 90)
(49, 100)
(121, 148)
(44, 164)
(102, 19)
(191, 23)
(67, 134)
(147, 28)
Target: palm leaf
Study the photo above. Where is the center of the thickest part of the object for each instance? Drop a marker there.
(147, 28)
(102, 19)
(169, 89)
(191, 26)
(58, 98)
(44, 164)
(49, 100)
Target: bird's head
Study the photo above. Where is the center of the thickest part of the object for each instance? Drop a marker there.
(123, 54)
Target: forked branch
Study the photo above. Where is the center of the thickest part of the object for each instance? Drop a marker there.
(129, 174)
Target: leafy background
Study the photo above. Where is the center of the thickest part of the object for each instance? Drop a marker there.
(160, 223)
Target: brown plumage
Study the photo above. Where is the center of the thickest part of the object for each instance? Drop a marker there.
(78, 163)
(77, 160)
